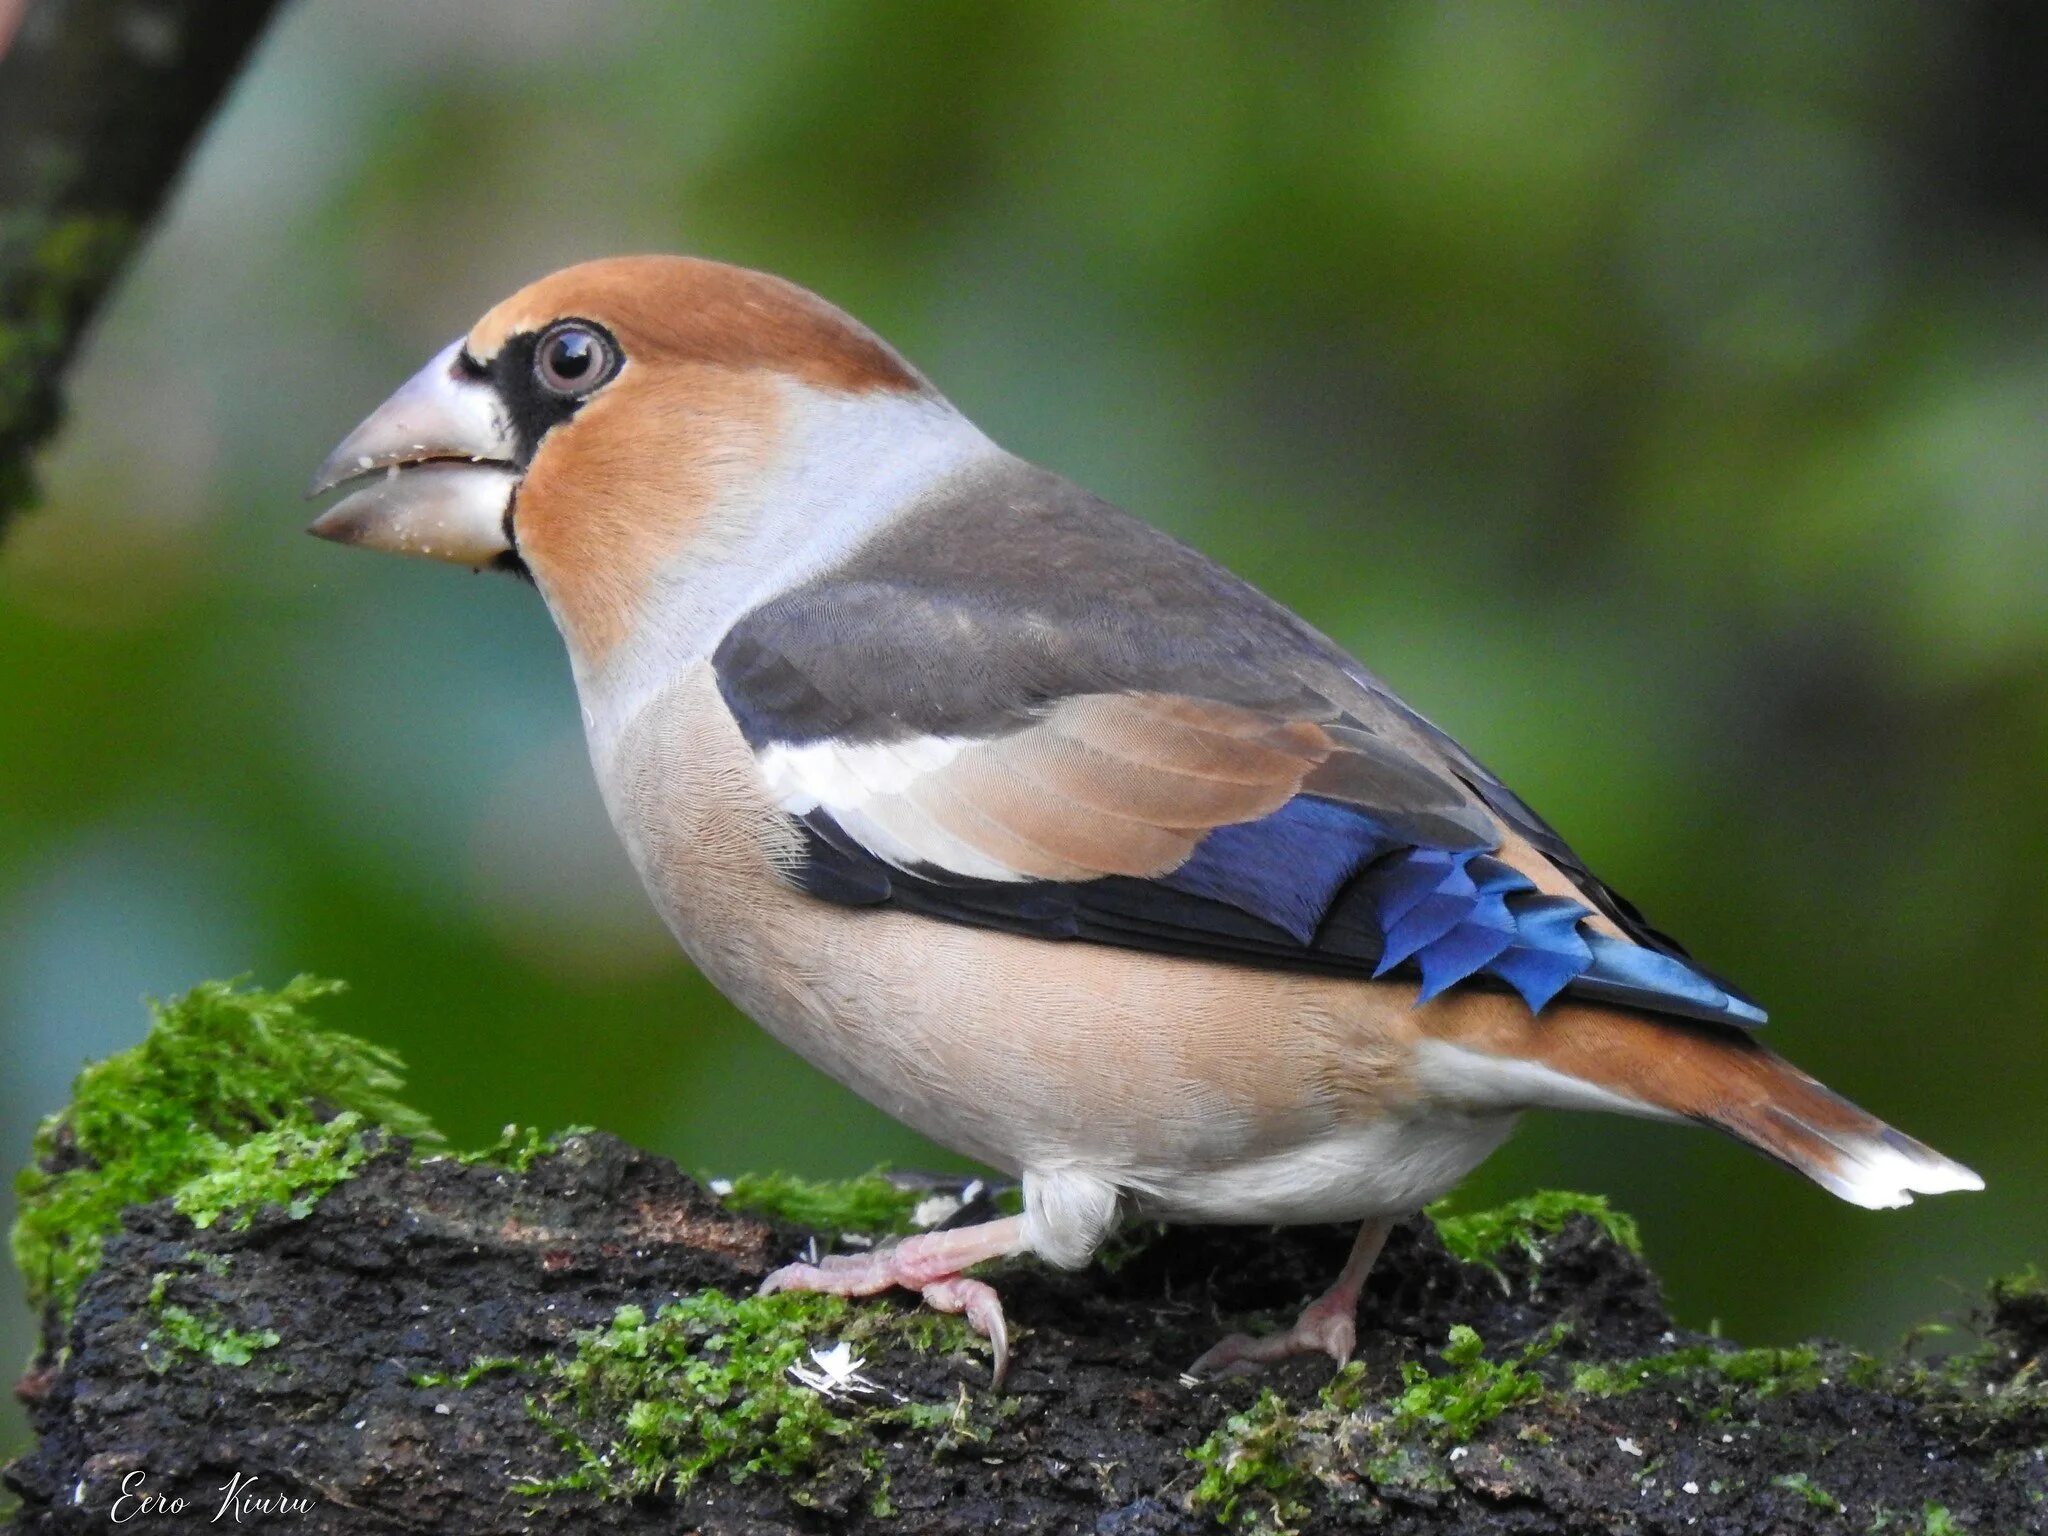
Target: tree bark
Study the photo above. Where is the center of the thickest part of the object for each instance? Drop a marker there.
(100, 103)
(393, 1359)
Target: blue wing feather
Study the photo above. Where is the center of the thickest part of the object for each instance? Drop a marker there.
(1548, 951)
(1286, 867)
(1320, 885)
(1480, 936)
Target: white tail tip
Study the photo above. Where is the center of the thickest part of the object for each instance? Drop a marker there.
(1885, 1171)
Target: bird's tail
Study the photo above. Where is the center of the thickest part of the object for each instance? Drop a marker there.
(1670, 1069)
(1846, 1150)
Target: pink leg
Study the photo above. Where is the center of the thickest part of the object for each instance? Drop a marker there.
(1329, 1325)
(930, 1264)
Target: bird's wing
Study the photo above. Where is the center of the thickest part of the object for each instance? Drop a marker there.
(1022, 709)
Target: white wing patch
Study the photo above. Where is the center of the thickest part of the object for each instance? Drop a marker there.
(837, 776)
(866, 789)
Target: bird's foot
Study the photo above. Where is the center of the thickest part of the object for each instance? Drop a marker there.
(930, 1264)
(1328, 1326)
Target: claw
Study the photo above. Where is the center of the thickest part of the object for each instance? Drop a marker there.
(929, 1264)
(984, 1312)
(1316, 1332)
(793, 1277)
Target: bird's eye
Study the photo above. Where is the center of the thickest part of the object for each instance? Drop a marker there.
(573, 360)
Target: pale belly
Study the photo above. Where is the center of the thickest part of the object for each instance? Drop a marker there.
(1386, 1167)
(1194, 1091)
(1184, 1135)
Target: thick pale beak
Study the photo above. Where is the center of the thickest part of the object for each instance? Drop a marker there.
(442, 452)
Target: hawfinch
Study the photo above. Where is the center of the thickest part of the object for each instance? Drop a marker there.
(1028, 823)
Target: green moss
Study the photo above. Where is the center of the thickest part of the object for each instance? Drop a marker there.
(1480, 1237)
(2028, 1284)
(235, 1099)
(1263, 1465)
(1125, 1244)
(1767, 1372)
(1252, 1465)
(1807, 1489)
(519, 1147)
(208, 1338)
(289, 1168)
(182, 1334)
(51, 268)
(1935, 1520)
(1449, 1408)
(218, 1265)
(703, 1386)
(477, 1370)
(869, 1203)
(2019, 1311)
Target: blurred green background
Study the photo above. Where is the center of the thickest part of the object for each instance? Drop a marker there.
(1658, 396)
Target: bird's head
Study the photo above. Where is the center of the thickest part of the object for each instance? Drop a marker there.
(600, 425)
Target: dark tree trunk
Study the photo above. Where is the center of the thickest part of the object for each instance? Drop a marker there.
(394, 1359)
(100, 102)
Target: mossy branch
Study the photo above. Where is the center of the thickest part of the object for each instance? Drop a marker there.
(235, 1100)
(100, 102)
(255, 1264)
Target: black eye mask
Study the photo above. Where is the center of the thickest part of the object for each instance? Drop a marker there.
(532, 408)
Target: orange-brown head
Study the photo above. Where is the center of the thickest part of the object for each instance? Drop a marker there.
(595, 423)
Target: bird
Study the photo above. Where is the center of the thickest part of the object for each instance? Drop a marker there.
(1029, 823)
